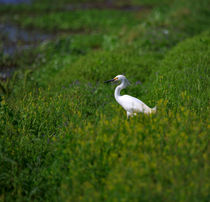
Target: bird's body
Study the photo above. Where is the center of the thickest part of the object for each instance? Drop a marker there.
(131, 104)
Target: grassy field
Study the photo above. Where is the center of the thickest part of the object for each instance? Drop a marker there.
(64, 137)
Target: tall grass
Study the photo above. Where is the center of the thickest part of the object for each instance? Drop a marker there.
(64, 138)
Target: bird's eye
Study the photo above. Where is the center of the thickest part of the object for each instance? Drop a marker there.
(115, 78)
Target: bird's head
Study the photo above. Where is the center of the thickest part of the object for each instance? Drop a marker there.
(121, 78)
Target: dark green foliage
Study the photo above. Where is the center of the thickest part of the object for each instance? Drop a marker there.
(62, 135)
(184, 73)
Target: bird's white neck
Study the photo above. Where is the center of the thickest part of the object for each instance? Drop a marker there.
(118, 89)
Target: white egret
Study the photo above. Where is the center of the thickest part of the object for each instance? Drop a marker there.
(131, 104)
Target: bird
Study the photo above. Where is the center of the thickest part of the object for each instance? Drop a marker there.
(131, 104)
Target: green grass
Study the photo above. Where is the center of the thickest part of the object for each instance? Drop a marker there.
(81, 21)
(64, 137)
(185, 72)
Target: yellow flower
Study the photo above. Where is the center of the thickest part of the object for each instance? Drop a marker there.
(3, 102)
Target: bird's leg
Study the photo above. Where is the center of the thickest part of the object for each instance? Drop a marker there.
(129, 114)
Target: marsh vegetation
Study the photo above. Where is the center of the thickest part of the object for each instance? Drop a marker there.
(63, 137)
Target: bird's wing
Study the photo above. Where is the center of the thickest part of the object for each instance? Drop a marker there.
(132, 104)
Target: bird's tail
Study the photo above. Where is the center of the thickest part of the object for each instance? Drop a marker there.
(154, 110)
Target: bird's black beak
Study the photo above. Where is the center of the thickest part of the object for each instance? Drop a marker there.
(109, 81)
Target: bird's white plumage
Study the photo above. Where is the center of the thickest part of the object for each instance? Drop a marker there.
(131, 104)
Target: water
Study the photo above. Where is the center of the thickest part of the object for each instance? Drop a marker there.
(6, 72)
(16, 39)
(14, 1)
